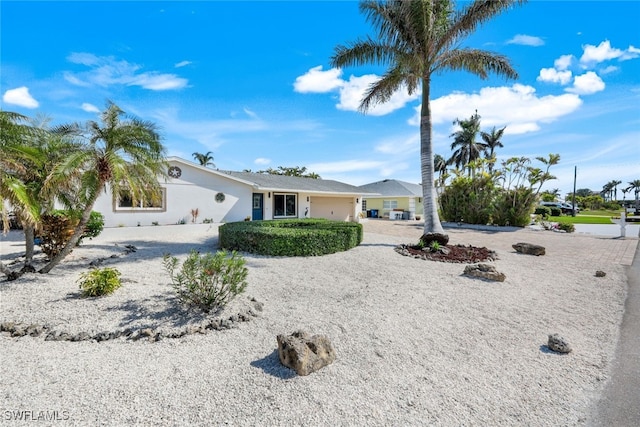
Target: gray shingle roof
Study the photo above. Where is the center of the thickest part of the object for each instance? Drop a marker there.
(293, 183)
(393, 188)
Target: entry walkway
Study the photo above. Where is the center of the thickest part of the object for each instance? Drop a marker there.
(619, 405)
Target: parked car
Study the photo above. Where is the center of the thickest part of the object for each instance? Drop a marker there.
(564, 207)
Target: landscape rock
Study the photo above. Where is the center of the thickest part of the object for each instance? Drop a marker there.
(529, 249)
(441, 238)
(484, 271)
(305, 353)
(600, 273)
(558, 344)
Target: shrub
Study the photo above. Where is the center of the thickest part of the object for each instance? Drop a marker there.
(94, 226)
(207, 281)
(468, 200)
(99, 281)
(58, 226)
(291, 237)
(513, 207)
(545, 211)
(556, 211)
(566, 226)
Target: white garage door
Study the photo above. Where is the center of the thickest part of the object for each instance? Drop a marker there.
(336, 208)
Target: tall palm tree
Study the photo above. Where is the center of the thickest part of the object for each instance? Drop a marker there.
(606, 190)
(205, 159)
(492, 141)
(417, 39)
(635, 186)
(466, 148)
(615, 184)
(125, 153)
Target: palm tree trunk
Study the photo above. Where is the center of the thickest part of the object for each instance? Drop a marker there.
(29, 236)
(429, 197)
(73, 241)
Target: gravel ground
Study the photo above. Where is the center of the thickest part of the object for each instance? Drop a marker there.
(417, 343)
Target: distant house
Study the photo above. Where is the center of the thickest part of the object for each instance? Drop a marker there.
(222, 196)
(392, 199)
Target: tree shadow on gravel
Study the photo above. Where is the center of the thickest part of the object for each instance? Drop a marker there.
(271, 365)
(158, 310)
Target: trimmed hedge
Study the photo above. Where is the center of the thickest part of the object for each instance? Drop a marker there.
(290, 237)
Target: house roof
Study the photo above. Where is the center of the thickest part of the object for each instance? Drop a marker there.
(268, 182)
(392, 188)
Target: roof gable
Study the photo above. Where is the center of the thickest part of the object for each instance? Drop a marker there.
(393, 188)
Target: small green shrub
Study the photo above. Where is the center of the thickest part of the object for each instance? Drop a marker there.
(555, 211)
(99, 281)
(566, 226)
(207, 281)
(94, 226)
(434, 246)
(544, 211)
(290, 237)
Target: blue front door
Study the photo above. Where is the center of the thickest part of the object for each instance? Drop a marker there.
(258, 202)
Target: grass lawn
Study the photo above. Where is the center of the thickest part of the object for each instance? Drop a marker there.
(582, 219)
(601, 213)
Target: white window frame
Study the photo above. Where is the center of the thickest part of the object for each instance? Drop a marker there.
(285, 196)
(389, 205)
(141, 205)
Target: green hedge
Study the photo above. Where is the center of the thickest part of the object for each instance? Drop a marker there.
(290, 237)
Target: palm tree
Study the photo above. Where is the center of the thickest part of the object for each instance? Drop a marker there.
(205, 160)
(635, 186)
(615, 189)
(417, 39)
(467, 149)
(125, 153)
(492, 141)
(606, 190)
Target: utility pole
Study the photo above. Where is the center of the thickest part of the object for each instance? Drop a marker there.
(573, 201)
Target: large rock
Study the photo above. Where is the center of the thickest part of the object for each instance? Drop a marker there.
(558, 344)
(529, 249)
(441, 238)
(484, 271)
(305, 353)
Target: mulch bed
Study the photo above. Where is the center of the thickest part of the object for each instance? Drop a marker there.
(456, 253)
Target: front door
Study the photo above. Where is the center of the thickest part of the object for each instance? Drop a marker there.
(258, 201)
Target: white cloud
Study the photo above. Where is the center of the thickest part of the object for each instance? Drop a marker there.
(602, 52)
(400, 145)
(262, 161)
(20, 96)
(526, 40)
(317, 81)
(563, 62)
(587, 84)
(353, 91)
(608, 70)
(90, 108)
(250, 113)
(183, 64)
(106, 70)
(554, 76)
(517, 107)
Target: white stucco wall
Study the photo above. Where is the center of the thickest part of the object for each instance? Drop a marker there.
(195, 189)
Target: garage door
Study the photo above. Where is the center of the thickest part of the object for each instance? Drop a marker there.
(336, 208)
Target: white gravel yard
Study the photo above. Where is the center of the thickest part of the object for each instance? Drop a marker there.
(417, 343)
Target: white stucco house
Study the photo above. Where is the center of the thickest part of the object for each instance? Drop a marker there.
(223, 196)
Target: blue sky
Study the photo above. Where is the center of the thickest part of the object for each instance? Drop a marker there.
(251, 82)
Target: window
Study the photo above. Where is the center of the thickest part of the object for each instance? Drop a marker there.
(364, 205)
(389, 204)
(284, 205)
(125, 202)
